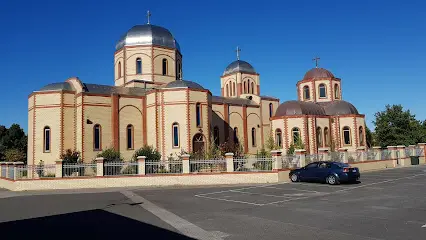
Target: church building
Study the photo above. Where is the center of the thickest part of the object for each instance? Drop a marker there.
(151, 104)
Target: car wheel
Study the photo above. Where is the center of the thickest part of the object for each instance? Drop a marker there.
(294, 177)
(332, 180)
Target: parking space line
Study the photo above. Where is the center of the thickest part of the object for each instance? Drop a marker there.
(224, 191)
(229, 200)
(270, 195)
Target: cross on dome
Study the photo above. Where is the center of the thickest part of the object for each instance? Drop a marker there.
(238, 52)
(148, 16)
(316, 59)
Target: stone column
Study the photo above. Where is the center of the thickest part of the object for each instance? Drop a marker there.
(402, 156)
(185, 164)
(58, 168)
(377, 153)
(229, 162)
(412, 150)
(393, 155)
(300, 153)
(2, 165)
(17, 170)
(99, 166)
(7, 170)
(422, 158)
(141, 165)
(276, 160)
(344, 151)
(324, 153)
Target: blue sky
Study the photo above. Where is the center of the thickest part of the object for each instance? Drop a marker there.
(377, 48)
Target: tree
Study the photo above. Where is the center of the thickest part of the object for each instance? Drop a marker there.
(70, 157)
(394, 126)
(13, 138)
(369, 137)
(15, 155)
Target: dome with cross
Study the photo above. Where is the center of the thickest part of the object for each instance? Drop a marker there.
(239, 66)
(148, 34)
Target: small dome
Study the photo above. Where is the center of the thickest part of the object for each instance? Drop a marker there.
(57, 86)
(290, 108)
(239, 66)
(183, 84)
(339, 108)
(318, 73)
(148, 35)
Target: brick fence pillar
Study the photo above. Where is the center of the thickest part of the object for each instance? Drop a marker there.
(422, 147)
(301, 154)
(17, 172)
(402, 155)
(141, 165)
(185, 163)
(58, 168)
(276, 160)
(229, 162)
(99, 166)
(394, 155)
(324, 153)
(345, 157)
(377, 153)
(2, 165)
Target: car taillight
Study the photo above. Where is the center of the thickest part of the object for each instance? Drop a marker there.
(345, 169)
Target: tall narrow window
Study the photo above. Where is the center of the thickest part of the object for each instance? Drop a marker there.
(233, 89)
(248, 86)
(306, 93)
(198, 114)
(252, 87)
(227, 90)
(326, 137)
(278, 137)
(179, 70)
(347, 135)
(245, 87)
(253, 137)
(138, 66)
(216, 135)
(322, 91)
(46, 142)
(119, 70)
(235, 135)
(336, 91)
(97, 137)
(271, 110)
(175, 131)
(319, 137)
(361, 136)
(130, 137)
(296, 135)
(164, 66)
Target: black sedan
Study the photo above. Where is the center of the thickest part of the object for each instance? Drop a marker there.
(328, 172)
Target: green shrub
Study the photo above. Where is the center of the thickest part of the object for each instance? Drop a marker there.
(149, 152)
(110, 155)
(70, 157)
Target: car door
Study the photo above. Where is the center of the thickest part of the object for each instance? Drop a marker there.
(308, 172)
(323, 171)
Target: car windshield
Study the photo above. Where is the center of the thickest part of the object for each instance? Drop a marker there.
(342, 165)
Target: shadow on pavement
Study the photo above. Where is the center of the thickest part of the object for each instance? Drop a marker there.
(93, 224)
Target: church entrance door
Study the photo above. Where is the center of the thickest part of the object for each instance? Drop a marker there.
(198, 143)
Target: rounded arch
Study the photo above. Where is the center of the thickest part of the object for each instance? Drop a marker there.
(164, 56)
(346, 135)
(278, 137)
(245, 86)
(198, 142)
(130, 106)
(252, 87)
(138, 54)
(322, 88)
(117, 60)
(253, 114)
(237, 113)
(295, 135)
(130, 133)
(219, 113)
(97, 137)
(306, 93)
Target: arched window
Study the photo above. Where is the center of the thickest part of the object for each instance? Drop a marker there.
(253, 137)
(129, 132)
(245, 87)
(306, 93)
(216, 135)
(97, 139)
(235, 135)
(296, 135)
(198, 114)
(119, 70)
(46, 139)
(271, 110)
(319, 137)
(361, 136)
(326, 137)
(252, 87)
(248, 86)
(165, 66)
(346, 135)
(233, 89)
(336, 91)
(227, 90)
(179, 70)
(322, 91)
(138, 66)
(175, 135)
(278, 137)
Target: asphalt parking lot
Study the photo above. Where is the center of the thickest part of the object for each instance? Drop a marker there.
(388, 204)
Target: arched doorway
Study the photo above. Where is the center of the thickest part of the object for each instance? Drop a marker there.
(198, 143)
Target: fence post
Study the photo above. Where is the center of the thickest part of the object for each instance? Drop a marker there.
(7, 170)
(302, 157)
(185, 163)
(412, 150)
(422, 158)
(141, 165)
(1, 169)
(378, 153)
(58, 168)
(324, 153)
(362, 154)
(402, 155)
(345, 158)
(229, 157)
(99, 166)
(276, 160)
